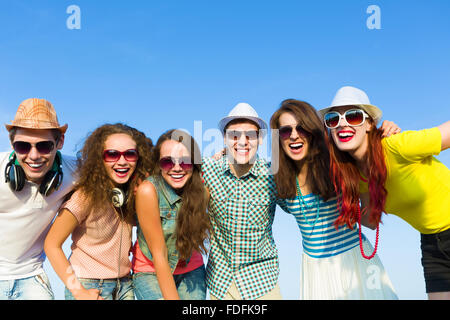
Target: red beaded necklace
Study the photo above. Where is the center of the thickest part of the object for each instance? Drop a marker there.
(360, 238)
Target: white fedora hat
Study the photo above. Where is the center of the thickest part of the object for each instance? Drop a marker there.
(351, 96)
(242, 111)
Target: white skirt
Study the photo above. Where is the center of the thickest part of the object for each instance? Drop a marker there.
(346, 276)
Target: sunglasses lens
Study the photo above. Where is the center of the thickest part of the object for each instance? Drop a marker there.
(22, 147)
(234, 135)
(166, 163)
(111, 155)
(332, 119)
(251, 134)
(302, 131)
(285, 132)
(185, 164)
(45, 147)
(354, 117)
(131, 155)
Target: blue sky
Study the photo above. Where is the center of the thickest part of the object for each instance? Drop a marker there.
(158, 65)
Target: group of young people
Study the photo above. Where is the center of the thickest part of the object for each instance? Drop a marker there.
(335, 170)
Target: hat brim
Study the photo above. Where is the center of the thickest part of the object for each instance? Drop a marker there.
(224, 122)
(374, 112)
(63, 128)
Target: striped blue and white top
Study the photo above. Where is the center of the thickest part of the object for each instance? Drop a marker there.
(321, 240)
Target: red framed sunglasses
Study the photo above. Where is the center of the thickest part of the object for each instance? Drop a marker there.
(111, 155)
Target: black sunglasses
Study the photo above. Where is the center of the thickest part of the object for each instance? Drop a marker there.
(43, 147)
(285, 132)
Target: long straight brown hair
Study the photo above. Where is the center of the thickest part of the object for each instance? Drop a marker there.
(193, 225)
(317, 158)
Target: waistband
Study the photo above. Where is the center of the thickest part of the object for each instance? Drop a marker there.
(440, 235)
(128, 277)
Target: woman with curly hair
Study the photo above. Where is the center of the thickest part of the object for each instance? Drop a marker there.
(100, 215)
(172, 223)
(332, 266)
(397, 175)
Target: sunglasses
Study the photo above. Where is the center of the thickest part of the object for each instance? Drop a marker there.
(112, 155)
(43, 147)
(353, 117)
(167, 163)
(285, 132)
(236, 135)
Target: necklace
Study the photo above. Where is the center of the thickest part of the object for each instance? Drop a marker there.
(303, 204)
(360, 238)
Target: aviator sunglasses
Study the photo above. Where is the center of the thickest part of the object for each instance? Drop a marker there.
(285, 132)
(167, 163)
(43, 147)
(112, 155)
(353, 117)
(236, 135)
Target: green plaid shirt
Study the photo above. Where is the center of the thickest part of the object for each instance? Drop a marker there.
(242, 246)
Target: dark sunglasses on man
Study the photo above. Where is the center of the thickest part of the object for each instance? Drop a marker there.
(236, 134)
(43, 147)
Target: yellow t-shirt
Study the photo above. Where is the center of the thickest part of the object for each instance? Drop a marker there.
(418, 184)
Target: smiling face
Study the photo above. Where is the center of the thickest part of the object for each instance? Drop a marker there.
(121, 170)
(296, 145)
(176, 176)
(242, 140)
(352, 139)
(36, 164)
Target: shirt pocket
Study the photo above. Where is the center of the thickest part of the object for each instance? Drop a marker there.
(259, 211)
(168, 221)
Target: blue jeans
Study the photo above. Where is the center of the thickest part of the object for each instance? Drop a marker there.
(190, 285)
(31, 288)
(107, 287)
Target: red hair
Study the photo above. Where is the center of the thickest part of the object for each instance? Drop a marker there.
(345, 177)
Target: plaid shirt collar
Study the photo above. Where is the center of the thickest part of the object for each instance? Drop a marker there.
(256, 170)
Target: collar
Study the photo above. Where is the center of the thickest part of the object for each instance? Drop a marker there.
(256, 169)
(169, 193)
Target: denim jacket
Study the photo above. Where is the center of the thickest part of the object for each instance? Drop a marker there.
(169, 205)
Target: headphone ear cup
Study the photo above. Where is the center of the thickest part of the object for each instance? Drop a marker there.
(15, 175)
(50, 183)
(52, 180)
(117, 197)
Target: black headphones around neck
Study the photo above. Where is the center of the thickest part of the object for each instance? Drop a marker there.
(15, 175)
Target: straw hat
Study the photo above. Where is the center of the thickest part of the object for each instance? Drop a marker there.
(351, 96)
(36, 114)
(242, 111)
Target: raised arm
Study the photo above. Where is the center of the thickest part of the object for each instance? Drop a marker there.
(147, 210)
(445, 133)
(62, 227)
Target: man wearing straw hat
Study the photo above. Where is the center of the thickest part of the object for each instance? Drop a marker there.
(36, 179)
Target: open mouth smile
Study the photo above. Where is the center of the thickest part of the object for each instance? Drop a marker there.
(121, 172)
(345, 136)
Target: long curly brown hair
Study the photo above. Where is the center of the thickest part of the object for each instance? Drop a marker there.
(193, 226)
(93, 178)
